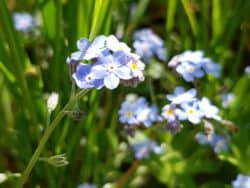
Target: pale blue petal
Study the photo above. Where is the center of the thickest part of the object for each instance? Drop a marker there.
(111, 81)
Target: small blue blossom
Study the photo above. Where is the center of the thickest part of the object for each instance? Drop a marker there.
(24, 22)
(192, 64)
(111, 61)
(169, 113)
(217, 142)
(138, 111)
(143, 148)
(189, 71)
(147, 44)
(181, 96)
(211, 68)
(85, 77)
(112, 71)
(227, 99)
(209, 110)
(242, 181)
(191, 112)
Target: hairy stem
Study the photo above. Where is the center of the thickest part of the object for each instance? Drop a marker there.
(46, 136)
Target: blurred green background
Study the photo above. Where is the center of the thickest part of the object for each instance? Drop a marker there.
(33, 66)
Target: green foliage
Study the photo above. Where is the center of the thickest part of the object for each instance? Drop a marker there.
(91, 136)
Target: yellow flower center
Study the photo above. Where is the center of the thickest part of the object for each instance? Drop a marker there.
(134, 66)
(128, 114)
(169, 112)
(190, 111)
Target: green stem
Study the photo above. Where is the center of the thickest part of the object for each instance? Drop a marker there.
(46, 136)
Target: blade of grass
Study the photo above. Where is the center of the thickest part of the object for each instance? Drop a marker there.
(20, 61)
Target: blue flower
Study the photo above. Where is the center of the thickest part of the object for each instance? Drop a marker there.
(211, 68)
(147, 44)
(191, 112)
(24, 22)
(189, 71)
(242, 181)
(112, 71)
(85, 77)
(82, 45)
(143, 148)
(138, 111)
(209, 110)
(180, 95)
(148, 115)
(217, 142)
(192, 64)
(169, 112)
(111, 63)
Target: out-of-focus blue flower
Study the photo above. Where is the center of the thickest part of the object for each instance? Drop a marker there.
(148, 115)
(143, 148)
(227, 99)
(138, 111)
(202, 139)
(86, 78)
(209, 110)
(192, 64)
(211, 68)
(24, 22)
(191, 112)
(217, 142)
(242, 181)
(169, 112)
(147, 44)
(181, 96)
(189, 71)
(86, 185)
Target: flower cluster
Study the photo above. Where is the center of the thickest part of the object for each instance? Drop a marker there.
(112, 63)
(86, 185)
(192, 64)
(137, 111)
(147, 44)
(24, 22)
(143, 148)
(185, 106)
(241, 181)
(217, 142)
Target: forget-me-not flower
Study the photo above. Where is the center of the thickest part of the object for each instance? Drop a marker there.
(217, 142)
(86, 78)
(180, 95)
(147, 44)
(24, 22)
(169, 112)
(247, 70)
(138, 111)
(191, 112)
(110, 62)
(143, 148)
(242, 181)
(192, 64)
(209, 110)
